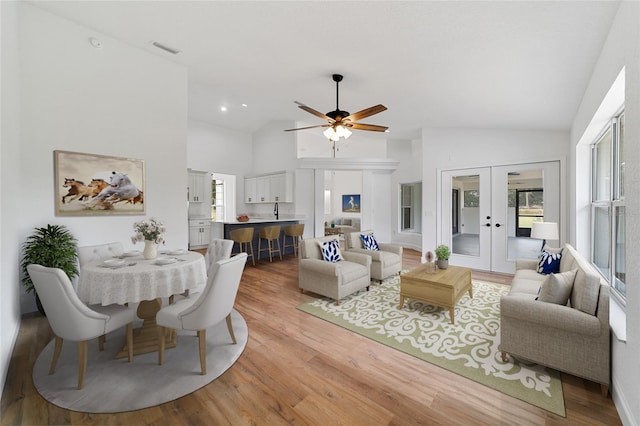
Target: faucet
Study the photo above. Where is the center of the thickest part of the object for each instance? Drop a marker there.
(275, 210)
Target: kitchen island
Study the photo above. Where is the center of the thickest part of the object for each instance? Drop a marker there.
(222, 229)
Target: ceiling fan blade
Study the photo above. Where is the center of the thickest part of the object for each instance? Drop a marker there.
(308, 127)
(312, 111)
(371, 127)
(365, 113)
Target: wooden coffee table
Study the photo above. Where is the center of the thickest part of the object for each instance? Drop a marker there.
(444, 287)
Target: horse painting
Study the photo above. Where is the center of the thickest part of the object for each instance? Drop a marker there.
(121, 188)
(77, 190)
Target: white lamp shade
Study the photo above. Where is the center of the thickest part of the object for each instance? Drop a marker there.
(545, 231)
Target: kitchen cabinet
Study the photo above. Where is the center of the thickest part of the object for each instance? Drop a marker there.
(269, 188)
(197, 186)
(199, 233)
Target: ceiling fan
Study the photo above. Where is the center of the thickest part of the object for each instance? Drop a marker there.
(340, 122)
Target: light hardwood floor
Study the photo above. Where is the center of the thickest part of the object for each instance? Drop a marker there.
(298, 369)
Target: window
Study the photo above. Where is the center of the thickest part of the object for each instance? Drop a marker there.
(217, 200)
(410, 207)
(608, 205)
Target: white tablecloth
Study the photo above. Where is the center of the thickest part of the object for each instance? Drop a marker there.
(145, 280)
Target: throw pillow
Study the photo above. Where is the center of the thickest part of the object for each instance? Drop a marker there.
(369, 242)
(331, 251)
(549, 262)
(556, 288)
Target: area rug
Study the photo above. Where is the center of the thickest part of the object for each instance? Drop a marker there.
(469, 347)
(114, 385)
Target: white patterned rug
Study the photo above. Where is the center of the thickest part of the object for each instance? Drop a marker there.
(469, 347)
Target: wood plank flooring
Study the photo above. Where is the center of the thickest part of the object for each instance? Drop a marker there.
(298, 369)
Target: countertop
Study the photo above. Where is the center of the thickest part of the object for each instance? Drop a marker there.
(261, 220)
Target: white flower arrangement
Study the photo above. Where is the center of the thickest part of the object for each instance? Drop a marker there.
(151, 230)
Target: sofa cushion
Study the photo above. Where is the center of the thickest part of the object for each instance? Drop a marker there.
(526, 281)
(351, 271)
(331, 250)
(369, 242)
(586, 286)
(556, 288)
(549, 262)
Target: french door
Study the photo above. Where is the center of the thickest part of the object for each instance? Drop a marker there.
(487, 212)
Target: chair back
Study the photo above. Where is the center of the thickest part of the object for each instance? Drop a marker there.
(69, 318)
(217, 299)
(353, 239)
(294, 230)
(270, 232)
(242, 235)
(218, 249)
(310, 248)
(100, 251)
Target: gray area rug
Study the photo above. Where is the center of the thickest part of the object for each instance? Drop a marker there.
(115, 385)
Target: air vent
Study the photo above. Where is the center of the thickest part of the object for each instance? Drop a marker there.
(171, 50)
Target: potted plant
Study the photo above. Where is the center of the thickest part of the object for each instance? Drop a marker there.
(442, 254)
(53, 247)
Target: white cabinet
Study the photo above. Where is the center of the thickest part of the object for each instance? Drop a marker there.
(197, 186)
(271, 188)
(250, 190)
(199, 233)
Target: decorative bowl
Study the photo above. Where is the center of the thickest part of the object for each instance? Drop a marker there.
(242, 218)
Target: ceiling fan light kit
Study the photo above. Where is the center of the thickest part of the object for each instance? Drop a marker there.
(341, 122)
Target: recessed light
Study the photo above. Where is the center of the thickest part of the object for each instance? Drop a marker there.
(95, 42)
(223, 108)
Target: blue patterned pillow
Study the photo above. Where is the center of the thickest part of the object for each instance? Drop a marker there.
(549, 262)
(331, 251)
(369, 242)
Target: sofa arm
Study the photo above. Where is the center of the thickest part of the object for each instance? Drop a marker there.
(526, 264)
(549, 315)
(360, 258)
(393, 248)
(319, 266)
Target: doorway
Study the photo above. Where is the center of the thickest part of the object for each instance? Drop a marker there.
(486, 219)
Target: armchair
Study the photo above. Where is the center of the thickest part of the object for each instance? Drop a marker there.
(384, 262)
(334, 280)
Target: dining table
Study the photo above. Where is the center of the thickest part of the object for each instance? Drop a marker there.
(130, 278)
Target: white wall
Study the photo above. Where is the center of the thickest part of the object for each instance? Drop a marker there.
(449, 148)
(117, 101)
(622, 49)
(214, 149)
(10, 218)
(409, 154)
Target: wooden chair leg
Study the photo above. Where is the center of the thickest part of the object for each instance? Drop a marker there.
(279, 248)
(202, 344)
(101, 340)
(130, 341)
(160, 345)
(604, 390)
(82, 362)
(56, 355)
(504, 357)
(230, 328)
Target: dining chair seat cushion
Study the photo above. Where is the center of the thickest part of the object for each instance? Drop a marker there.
(170, 315)
(119, 315)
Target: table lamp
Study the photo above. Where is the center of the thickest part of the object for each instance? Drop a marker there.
(544, 231)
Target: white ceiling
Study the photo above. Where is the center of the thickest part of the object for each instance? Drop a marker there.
(480, 64)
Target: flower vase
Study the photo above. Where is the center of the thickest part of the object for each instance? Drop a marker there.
(150, 250)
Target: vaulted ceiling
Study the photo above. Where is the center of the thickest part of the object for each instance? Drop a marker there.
(480, 64)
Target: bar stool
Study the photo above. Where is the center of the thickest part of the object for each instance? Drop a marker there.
(295, 232)
(271, 234)
(244, 237)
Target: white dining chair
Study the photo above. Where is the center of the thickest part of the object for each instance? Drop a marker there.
(70, 319)
(99, 251)
(207, 309)
(218, 249)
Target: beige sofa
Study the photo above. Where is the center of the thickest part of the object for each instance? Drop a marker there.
(573, 338)
(384, 263)
(334, 280)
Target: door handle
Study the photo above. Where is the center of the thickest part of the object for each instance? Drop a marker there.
(497, 225)
(487, 224)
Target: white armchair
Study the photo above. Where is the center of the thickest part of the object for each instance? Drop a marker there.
(384, 262)
(70, 319)
(210, 307)
(334, 280)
